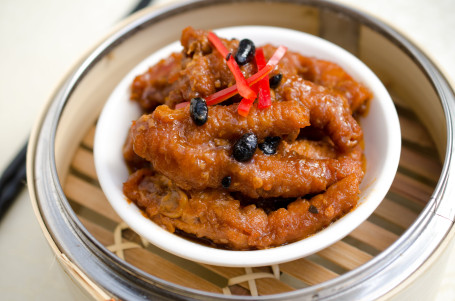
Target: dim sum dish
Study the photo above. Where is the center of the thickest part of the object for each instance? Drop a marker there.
(247, 146)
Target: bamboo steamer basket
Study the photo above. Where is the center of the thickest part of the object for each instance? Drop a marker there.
(399, 250)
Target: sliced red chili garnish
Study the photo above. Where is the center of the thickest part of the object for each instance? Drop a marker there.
(227, 93)
(224, 94)
(242, 86)
(264, 100)
(277, 55)
(245, 104)
(262, 88)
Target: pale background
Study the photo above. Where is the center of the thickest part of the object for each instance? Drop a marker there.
(41, 40)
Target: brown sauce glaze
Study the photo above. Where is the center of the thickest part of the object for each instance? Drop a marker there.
(186, 179)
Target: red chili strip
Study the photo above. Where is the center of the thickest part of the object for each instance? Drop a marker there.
(262, 88)
(224, 94)
(244, 107)
(245, 104)
(243, 88)
(277, 55)
(227, 93)
(264, 100)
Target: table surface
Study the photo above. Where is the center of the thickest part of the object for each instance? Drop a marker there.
(41, 40)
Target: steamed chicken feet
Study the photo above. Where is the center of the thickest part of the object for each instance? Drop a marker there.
(200, 157)
(329, 111)
(324, 73)
(251, 175)
(215, 215)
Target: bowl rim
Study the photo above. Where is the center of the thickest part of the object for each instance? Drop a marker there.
(208, 255)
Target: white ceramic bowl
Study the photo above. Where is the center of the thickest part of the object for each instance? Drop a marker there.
(382, 150)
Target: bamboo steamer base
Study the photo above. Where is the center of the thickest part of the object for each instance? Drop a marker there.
(410, 191)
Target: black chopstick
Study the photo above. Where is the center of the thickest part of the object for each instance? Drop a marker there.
(13, 179)
(140, 5)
